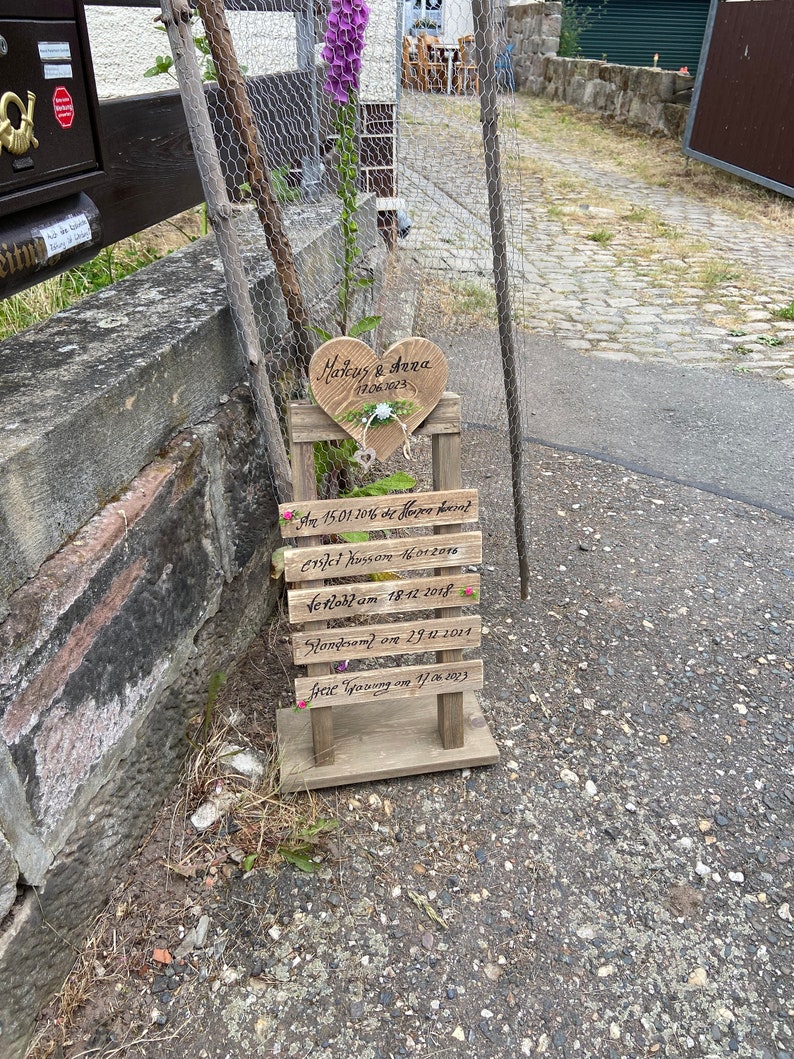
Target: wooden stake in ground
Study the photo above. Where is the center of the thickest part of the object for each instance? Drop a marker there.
(176, 19)
(482, 10)
(232, 85)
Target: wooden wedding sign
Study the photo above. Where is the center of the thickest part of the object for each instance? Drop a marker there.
(402, 719)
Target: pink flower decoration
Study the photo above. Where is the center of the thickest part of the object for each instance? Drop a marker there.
(344, 43)
(287, 516)
(469, 590)
(302, 704)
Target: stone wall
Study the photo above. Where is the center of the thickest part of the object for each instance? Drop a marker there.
(137, 525)
(652, 100)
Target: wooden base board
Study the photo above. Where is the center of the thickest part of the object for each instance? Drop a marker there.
(396, 737)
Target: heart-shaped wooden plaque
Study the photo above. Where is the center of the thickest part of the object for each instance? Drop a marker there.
(349, 381)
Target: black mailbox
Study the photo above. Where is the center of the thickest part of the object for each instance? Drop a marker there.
(49, 141)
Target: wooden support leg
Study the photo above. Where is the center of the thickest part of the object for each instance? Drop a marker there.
(447, 475)
(304, 480)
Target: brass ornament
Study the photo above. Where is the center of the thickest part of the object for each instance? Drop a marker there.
(17, 140)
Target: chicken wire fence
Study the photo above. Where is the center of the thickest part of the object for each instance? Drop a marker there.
(437, 212)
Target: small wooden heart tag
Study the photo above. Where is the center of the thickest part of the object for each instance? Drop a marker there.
(354, 386)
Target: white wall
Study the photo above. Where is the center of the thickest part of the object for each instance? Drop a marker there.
(125, 41)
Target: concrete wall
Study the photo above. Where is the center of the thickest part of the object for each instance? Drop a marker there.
(652, 100)
(137, 524)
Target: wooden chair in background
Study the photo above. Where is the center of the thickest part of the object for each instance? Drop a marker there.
(411, 70)
(433, 71)
(466, 66)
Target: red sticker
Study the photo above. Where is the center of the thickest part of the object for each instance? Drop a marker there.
(63, 106)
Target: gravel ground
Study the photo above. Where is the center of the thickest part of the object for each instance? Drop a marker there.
(619, 885)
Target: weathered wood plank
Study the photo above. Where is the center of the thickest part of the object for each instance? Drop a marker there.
(373, 513)
(399, 553)
(397, 739)
(398, 683)
(379, 641)
(310, 423)
(447, 474)
(368, 598)
(304, 479)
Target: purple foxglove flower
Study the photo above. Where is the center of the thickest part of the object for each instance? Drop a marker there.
(343, 45)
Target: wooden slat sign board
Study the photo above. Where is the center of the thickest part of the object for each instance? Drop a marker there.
(382, 597)
(374, 641)
(398, 717)
(399, 553)
(374, 513)
(394, 683)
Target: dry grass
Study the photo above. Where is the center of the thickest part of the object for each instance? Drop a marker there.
(657, 160)
(453, 306)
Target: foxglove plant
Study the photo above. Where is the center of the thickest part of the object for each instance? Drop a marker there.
(344, 44)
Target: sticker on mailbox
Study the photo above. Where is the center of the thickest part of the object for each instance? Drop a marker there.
(56, 71)
(63, 105)
(65, 234)
(53, 50)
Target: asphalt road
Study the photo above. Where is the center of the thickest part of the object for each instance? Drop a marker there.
(726, 433)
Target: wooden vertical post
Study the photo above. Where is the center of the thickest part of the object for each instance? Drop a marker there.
(447, 475)
(232, 85)
(176, 19)
(305, 488)
(482, 12)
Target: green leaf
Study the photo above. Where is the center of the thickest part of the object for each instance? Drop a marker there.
(392, 483)
(162, 65)
(300, 860)
(249, 861)
(354, 537)
(277, 563)
(366, 323)
(322, 334)
(320, 825)
(364, 281)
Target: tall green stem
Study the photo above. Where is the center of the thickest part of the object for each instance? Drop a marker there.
(345, 127)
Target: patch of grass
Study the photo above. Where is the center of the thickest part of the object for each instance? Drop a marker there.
(637, 215)
(657, 160)
(716, 274)
(471, 300)
(786, 312)
(32, 306)
(602, 236)
(769, 340)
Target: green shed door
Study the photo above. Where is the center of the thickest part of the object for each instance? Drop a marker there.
(629, 32)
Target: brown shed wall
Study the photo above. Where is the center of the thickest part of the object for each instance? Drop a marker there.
(744, 113)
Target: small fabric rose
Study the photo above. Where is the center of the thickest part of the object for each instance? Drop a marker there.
(287, 516)
(470, 592)
(301, 704)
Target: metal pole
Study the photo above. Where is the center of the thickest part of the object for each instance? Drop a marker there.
(176, 19)
(482, 11)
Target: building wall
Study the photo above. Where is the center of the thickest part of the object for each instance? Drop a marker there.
(265, 43)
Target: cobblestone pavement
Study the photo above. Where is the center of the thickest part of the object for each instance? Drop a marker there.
(613, 266)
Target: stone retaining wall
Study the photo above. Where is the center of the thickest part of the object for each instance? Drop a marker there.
(137, 525)
(652, 100)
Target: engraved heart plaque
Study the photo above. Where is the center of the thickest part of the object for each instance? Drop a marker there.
(363, 392)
